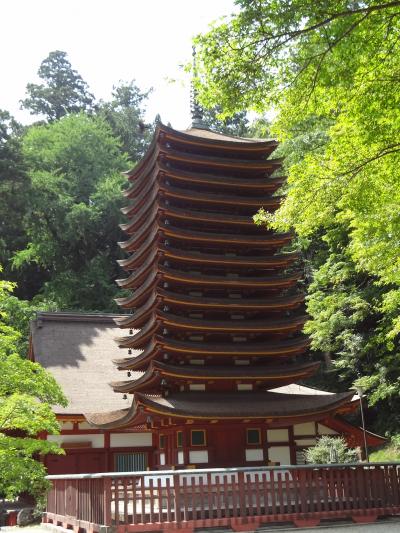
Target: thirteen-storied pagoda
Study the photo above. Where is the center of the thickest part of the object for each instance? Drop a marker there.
(213, 340)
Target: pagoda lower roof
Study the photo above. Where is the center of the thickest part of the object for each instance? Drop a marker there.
(189, 349)
(278, 409)
(270, 376)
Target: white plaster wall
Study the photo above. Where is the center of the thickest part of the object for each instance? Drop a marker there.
(181, 458)
(305, 442)
(323, 430)
(277, 435)
(280, 454)
(129, 440)
(308, 428)
(67, 426)
(162, 459)
(84, 425)
(254, 454)
(96, 440)
(198, 456)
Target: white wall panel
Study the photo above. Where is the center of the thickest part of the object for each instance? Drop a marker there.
(130, 440)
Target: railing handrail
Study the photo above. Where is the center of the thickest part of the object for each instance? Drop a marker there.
(196, 471)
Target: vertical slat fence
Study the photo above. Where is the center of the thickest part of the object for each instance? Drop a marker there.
(223, 497)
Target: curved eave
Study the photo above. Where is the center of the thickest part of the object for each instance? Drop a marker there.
(268, 261)
(141, 337)
(239, 405)
(151, 228)
(158, 169)
(219, 141)
(211, 161)
(268, 202)
(267, 376)
(268, 183)
(188, 349)
(274, 282)
(277, 409)
(243, 349)
(140, 275)
(290, 325)
(276, 304)
(141, 294)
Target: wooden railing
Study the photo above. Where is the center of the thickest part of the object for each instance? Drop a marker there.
(241, 498)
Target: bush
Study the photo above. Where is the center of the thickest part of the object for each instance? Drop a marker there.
(331, 450)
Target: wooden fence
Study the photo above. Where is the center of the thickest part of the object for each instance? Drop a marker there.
(241, 498)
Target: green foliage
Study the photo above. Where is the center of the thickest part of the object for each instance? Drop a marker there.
(331, 450)
(237, 124)
(391, 452)
(63, 91)
(329, 71)
(124, 114)
(27, 392)
(72, 224)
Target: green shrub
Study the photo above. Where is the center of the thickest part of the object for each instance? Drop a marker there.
(331, 450)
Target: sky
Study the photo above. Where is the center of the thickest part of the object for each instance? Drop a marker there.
(107, 41)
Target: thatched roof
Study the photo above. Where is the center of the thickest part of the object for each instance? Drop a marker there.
(78, 349)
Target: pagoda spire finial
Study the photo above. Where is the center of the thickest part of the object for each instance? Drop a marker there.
(196, 109)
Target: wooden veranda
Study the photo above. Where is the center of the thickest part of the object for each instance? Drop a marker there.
(240, 498)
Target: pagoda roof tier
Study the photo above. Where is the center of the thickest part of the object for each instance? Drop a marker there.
(276, 282)
(207, 198)
(159, 345)
(161, 319)
(159, 297)
(178, 213)
(245, 304)
(277, 409)
(232, 150)
(287, 325)
(268, 376)
(226, 163)
(280, 281)
(270, 241)
(198, 178)
(233, 260)
(141, 294)
(220, 141)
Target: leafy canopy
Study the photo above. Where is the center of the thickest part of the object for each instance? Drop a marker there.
(74, 166)
(27, 392)
(62, 92)
(329, 71)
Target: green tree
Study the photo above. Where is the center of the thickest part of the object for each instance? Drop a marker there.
(125, 115)
(331, 450)
(27, 393)
(62, 92)
(75, 169)
(329, 70)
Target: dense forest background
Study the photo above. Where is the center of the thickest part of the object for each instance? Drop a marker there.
(329, 74)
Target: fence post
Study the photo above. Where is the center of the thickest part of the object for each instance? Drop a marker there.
(177, 498)
(107, 481)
